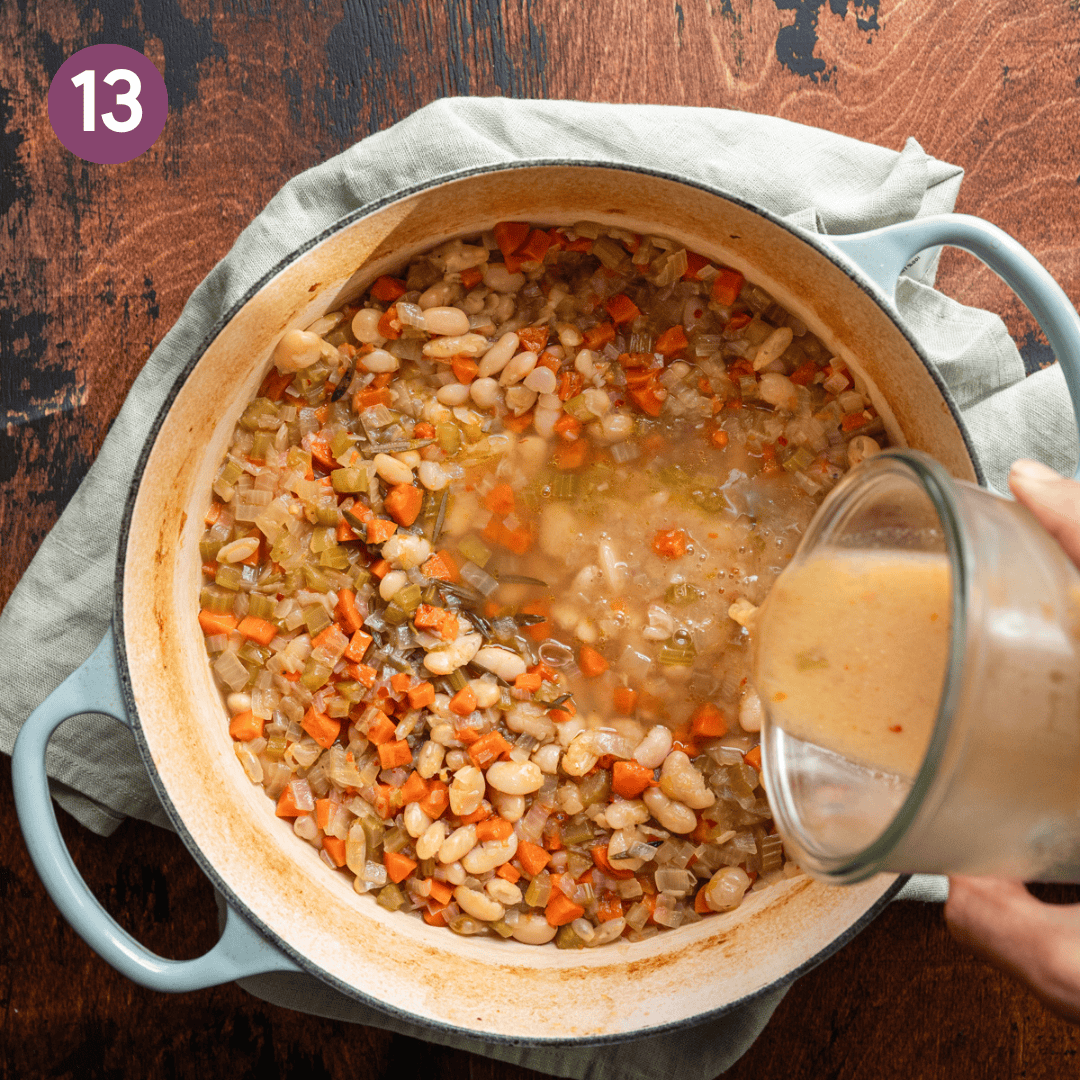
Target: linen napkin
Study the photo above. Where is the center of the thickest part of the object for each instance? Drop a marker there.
(818, 180)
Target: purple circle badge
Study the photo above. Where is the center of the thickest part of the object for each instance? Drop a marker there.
(108, 104)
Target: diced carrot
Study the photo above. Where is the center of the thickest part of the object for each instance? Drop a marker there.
(509, 873)
(670, 543)
(621, 309)
(390, 324)
(566, 711)
(624, 700)
(346, 613)
(495, 828)
(695, 263)
(387, 289)
(423, 430)
(550, 361)
(414, 789)
(324, 636)
(561, 909)
(345, 532)
(398, 866)
(510, 235)
(535, 247)
(321, 453)
(672, 341)
(488, 748)
(379, 568)
(392, 755)
(422, 695)
(707, 722)
(463, 702)
(403, 504)
(600, 857)
(682, 739)
(468, 735)
(368, 398)
(471, 278)
(518, 424)
(719, 438)
(256, 629)
(545, 671)
(700, 905)
(428, 617)
(380, 530)
(726, 286)
(629, 779)
(441, 566)
(596, 337)
(363, 674)
(533, 857)
(356, 648)
(609, 907)
(536, 631)
(482, 812)
(570, 385)
(381, 729)
(527, 682)
(804, 374)
(335, 848)
(322, 728)
(246, 726)
(433, 916)
(753, 757)
(322, 812)
(216, 622)
(854, 420)
(591, 662)
(570, 455)
(649, 399)
(500, 500)
(514, 263)
(441, 892)
(464, 369)
(739, 320)
(436, 801)
(533, 338)
(400, 682)
(286, 804)
(567, 427)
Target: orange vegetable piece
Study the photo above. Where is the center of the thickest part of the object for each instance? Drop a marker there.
(510, 873)
(441, 893)
(470, 279)
(707, 722)
(369, 397)
(753, 757)
(624, 700)
(621, 309)
(398, 866)
(346, 613)
(479, 814)
(356, 648)
(609, 907)
(436, 801)
(286, 804)
(422, 695)
(487, 748)
(533, 857)
(804, 374)
(274, 387)
(596, 337)
(570, 384)
(528, 681)
(495, 828)
(423, 430)
(216, 622)
(670, 543)
(433, 916)
(649, 399)
(570, 455)
(535, 247)
(600, 857)
(854, 420)
(464, 369)
(402, 504)
(387, 289)
(414, 789)
(345, 532)
(726, 286)
(518, 424)
(536, 631)
(739, 320)
(380, 530)
(567, 427)
(719, 438)
(400, 682)
(510, 235)
(672, 342)
(381, 729)
(441, 566)
(256, 629)
(695, 263)
(463, 702)
(592, 664)
(322, 728)
(392, 755)
(246, 726)
(390, 324)
(500, 500)
(533, 338)
(335, 848)
(629, 779)
(561, 909)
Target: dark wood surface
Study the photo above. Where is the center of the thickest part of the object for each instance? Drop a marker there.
(97, 261)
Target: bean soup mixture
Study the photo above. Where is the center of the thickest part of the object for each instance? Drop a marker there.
(481, 571)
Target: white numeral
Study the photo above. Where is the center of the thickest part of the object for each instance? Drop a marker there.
(85, 79)
(129, 98)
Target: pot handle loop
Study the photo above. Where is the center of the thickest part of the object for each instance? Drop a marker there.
(883, 254)
(95, 687)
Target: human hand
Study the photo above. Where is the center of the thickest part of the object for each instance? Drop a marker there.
(1000, 921)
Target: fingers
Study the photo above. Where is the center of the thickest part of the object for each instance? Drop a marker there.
(1053, 500)
(1037, 943)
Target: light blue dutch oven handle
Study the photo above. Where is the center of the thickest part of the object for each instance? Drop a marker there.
(95, 687)
(882, 254)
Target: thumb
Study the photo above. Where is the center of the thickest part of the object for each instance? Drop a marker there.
(1053, 500)
(1037, 943)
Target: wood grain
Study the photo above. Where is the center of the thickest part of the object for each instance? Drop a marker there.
(99, 261)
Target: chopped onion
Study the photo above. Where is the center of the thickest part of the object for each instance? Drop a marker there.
(478, 578)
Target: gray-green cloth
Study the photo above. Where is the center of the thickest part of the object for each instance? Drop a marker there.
(818, 180)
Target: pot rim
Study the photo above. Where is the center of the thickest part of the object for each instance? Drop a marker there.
(231, 898)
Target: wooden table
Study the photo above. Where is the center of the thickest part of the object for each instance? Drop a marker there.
(98, 261)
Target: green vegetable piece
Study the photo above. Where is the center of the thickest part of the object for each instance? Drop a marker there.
(473, 548)
(373, 834)
(448, 437)
(390, 897)
(315, 675)
(315, 579)
(394, 615)
(215, 598)
(395, 840)
(316, 618)
(276, 746)
(349, 481)
(568, 938)
(407, 598)
(228, 576)
(261, 606)
(683, 593)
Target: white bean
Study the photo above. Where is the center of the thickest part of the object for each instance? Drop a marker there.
(297, 350)
(455, 655)
(238, 550)
(544, 420)
(533, 929)
(778, 390)
(500, 280)
(743, 612)
(457, 844)
(432, 475)
(438, 295)
(238, 703)
(485, 392)
(726, 888)
(661, 624)
(391, 470)
(393, 582)
(486, 691)
(580, 756)
(520, 399)
(679, 779)
(585, 362)
(625, 813)
(490, 854)
(518, 367)
(427, 847)
(619, 843)
(569, 335)
(454, 873)
(505, 892)
(379, 360)
(430, 760)
(509, 807)
(547, 757)
(860, 448)
(502, 662)
(466, 790)
(458, 345)
(416, 821)
(449, 321)
(498, 356)
(750, 711)
(772, 347)
(543, 380)
(406, 550)
(606, 932)
(656, 745)
(452, 394)
(456, 255)
(514, 777)
(408, 457)
(596, 401)
(365, 327)
(672, 815)
(617, 426)
(478, 905)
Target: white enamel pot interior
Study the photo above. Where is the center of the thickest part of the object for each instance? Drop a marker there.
(274, 879)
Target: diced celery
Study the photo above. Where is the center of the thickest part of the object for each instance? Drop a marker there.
(349, 480)
(500, 927)
(351, 691)
(316, 618)
(677, 656)
(539, 891)
(394, 615)
(315, 579)
(261, 606)
(568, 938)
(322, 537)
(457, 680)
(260, 445)
(565, 486)
(395, 840)
(683, 593)
(472, 547)
(214, 598)
(448, 437)
(276, 746)
(315, 675)
(373, 833)
(335, 557)
(298, 459)
(341, 442)
(208, 550)
(327, 513)
(390, 897)
(228, 576)
(577, 408)
(593, 788)
(578, 832)
(253, 654)
(407, 598)
(799, 461)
